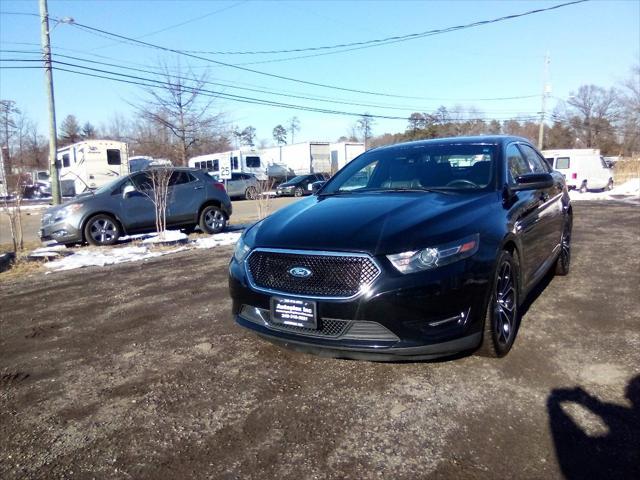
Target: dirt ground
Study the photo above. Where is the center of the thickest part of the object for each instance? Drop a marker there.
(138, 371)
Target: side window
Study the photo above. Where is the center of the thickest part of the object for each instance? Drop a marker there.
(253, 162)
(178, 178)
(535, 161)
(603, 162)
(234, 163)
(65, 160)
(216, 165)
(113, 156)
(516, 164)
(142, 182)
(118, 191)
(236, 176)
(562, 163)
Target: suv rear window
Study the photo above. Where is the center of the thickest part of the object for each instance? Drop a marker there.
(562, 163)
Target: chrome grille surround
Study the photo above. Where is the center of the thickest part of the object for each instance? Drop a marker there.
(353, 265)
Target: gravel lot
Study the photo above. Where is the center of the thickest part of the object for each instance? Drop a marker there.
(138, 371)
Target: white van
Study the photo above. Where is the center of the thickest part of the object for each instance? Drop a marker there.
(91, 164)
(583, 168)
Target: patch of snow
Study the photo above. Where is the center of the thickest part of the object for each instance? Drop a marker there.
(169, 236)
(629, 191)
(91, 257)
(218, 240)
(137, 236)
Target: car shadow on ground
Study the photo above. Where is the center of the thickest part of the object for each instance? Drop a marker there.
(615, 454)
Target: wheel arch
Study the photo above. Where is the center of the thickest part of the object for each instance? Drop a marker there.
(213, 203)
(89, 216)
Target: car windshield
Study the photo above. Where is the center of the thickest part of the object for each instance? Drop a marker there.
(297, 179)
(460, 167)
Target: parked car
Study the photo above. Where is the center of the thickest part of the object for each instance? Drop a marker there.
(299, 186)
(124, 207)
(241, 185)
(414, 250)
(583, 168)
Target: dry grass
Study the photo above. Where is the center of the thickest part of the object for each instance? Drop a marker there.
(625, 170)
(21, 267)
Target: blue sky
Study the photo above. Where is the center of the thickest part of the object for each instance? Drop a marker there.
(590, 43)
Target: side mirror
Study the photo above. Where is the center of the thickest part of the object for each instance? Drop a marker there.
(315, 186)
(127, 191)
(532, 181)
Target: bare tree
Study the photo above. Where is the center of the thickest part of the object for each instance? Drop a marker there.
(630, 115)
(180, 106)
(293, 125)
(11, 207)
(592, 112)
(8, 111)
(156, 188)
(365, 125)
(280, 135)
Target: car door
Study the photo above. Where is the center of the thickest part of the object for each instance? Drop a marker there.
(525, 214)
(550, 211)
(185, 195)
(137, 211)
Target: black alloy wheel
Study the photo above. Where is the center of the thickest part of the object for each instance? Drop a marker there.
(564, 258)
(501, 319)
(298, 192)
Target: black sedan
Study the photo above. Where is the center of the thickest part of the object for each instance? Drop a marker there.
(415, 250)
(299, 186)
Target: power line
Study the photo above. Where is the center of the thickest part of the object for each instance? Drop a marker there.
(256, 90)
(152, 83)
(393, 39)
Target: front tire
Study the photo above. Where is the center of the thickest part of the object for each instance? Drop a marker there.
(583, 187)
(212, 220)
(298, 192)
(251, 193)
(102, 230)
(502, 315)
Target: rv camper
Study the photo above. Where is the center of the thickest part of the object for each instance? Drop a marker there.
(91, 164)
(241, 161)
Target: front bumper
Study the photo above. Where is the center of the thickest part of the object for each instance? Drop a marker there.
(417, 316)
(61, 232)
(285, 192)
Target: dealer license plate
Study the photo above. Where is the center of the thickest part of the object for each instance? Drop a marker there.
(297, 313)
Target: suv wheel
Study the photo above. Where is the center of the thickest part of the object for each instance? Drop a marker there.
(298, 192)
(251, 193)
(102, 230)
(501, 318)
(212, 220)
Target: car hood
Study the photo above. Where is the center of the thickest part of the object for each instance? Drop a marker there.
(376, 223)
(287, 184)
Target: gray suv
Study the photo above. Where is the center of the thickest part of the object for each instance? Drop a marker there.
(123, 207)
(241, 185)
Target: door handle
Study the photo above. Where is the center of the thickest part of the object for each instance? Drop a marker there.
(198, 188)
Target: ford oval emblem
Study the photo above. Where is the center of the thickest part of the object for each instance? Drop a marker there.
(300, 272)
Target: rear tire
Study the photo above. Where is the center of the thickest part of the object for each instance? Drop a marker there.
(563, 262)
(102, 230)
(502, 315)
(583, 187)
(212, 220)
(609, 185)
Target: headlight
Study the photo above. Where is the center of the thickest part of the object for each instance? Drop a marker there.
(241, 251)
(433, 257)
(66, 211)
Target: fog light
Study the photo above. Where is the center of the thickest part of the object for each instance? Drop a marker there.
(59, 233)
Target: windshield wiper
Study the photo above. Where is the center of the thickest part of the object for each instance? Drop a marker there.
(415, 189)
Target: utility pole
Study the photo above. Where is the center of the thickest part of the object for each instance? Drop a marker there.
(546, 90)
(48, 80)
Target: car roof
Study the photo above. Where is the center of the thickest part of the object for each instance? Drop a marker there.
(470, 140)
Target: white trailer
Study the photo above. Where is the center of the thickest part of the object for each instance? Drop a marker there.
(91, 164)
(313, 157)
(246, 161)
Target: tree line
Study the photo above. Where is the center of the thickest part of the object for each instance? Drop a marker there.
(179, 121)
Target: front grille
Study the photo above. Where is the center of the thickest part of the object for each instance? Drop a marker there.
(338, 275)
(326, 328)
